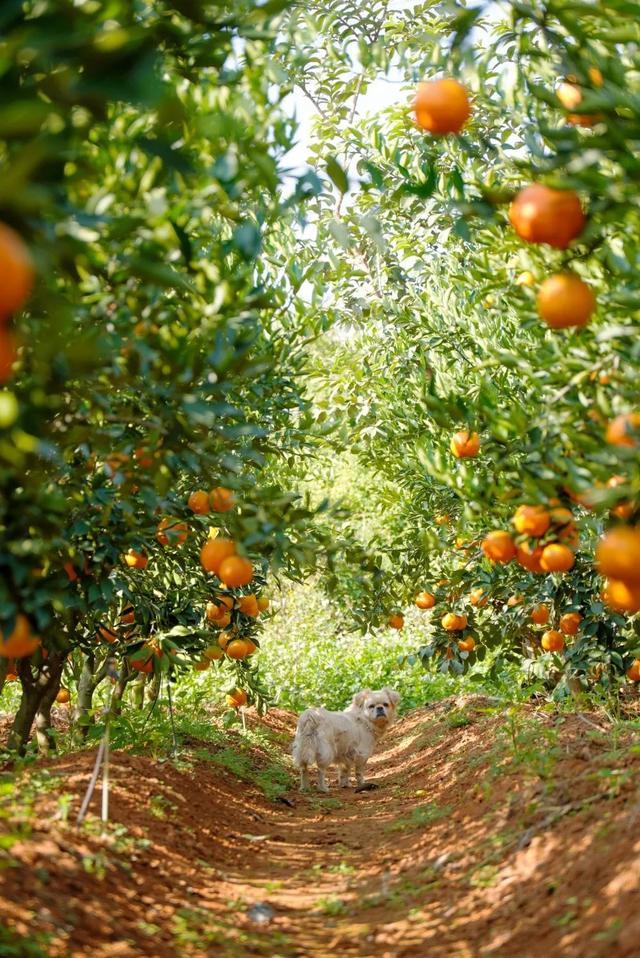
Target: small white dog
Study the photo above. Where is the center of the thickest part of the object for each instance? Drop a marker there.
(346, 738)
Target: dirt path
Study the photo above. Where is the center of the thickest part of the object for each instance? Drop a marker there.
(487, 835)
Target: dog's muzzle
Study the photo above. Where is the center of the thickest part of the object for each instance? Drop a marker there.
(380, 712)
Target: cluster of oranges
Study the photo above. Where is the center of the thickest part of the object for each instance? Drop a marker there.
(229, 642)
(553, 640)
(618, 559)
(545, 539)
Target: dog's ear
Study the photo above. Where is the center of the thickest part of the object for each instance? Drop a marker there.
(394, 697)
(360, 698)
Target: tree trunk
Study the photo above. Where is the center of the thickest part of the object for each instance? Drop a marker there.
(34, 689)
(138, 692)
(116, 697)
(4, 668)
(153, 690)
(44, 733)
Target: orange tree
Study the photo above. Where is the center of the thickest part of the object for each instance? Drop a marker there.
(159, 347)
(485, 281)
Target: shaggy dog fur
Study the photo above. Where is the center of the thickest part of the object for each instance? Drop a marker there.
(346, 739)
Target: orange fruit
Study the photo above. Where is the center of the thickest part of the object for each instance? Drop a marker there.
(248, 605)
(224, 638)
(570, 623)
(540, 214)
(202, 665)
(115, 462)
(396, 621)
(622, 596)
(424, 600)
(556, 558)
(16, 270)
(214, 552)
(143, 457)
(72, 575)
(569, 95)
(171, 532)
(553, 641)
(213, 653)
(564, 300)
(624, 430)
(8, 354)
(467, 645)
(128, 615)
(633, 672)
(529, 558)
(441, 106)
(238, 649)
(19, 643)
(465, 444)
(63, 696)
(142, 665)
(525, 278)
(11, 677)
(531, 520)
(477, 597)
(499, 546)
(198, 502)
(251, 646)
(217, 612)
(221, 499)
(263, 603)
(453, 622)
(135, 560)
(618, 554)
(107, 634)
(236, 699)
(235, 571)
(442, 520)
(514, 600)
(540, 614)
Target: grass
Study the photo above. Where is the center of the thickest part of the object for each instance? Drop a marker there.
(419, 817)
(13, 945)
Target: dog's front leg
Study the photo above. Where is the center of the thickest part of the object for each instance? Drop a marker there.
(360, 772)
(304, 777)
(344, 776)
(322, 781)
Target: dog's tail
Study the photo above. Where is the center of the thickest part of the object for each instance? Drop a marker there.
(305, 743)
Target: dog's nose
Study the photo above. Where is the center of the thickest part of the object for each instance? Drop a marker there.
(380, 709)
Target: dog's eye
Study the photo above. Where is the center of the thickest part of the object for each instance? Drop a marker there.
(386, 705)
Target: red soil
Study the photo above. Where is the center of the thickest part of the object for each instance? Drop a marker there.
(489, 836)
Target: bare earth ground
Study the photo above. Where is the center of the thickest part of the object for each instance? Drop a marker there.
(489, 836)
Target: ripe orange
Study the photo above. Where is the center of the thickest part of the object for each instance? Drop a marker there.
(235, 571)
(238, 649)
(515, 600)
(540, 614)
(453, 622)
(202, 665)
(236, 699)
(540, 214)
(564, 300)
(553, 641)
(263, 603)
(633, 672)
(214, 552)
(556, 558)
(19, 643)
(499, 546)
(128, 615)
(465, 444)
(477, 597)
(467, 645)
(622, 596)
(107, 634)
(442, 106)
(8, 354)
(143, 457)
(424, 600)
(525, 278)
(198, 502)
(72, 575)
(396, 621)
(570, 623)
(529, 558)
(569, 95)
(442, 520)
(63, 696)
(142, 664)
(16, 269)
(248, 605)
(531, 520)
(136, 560)
(618, 554)
(171, 532)
(624, 430)
(221, 499)
(224, 638)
